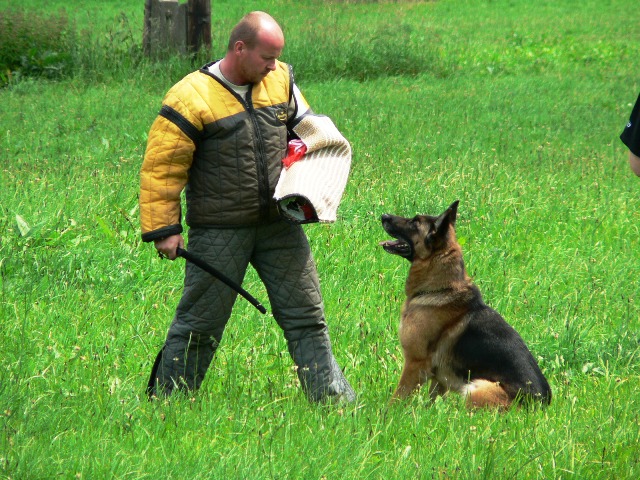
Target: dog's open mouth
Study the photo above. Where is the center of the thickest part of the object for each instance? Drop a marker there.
(397, 247)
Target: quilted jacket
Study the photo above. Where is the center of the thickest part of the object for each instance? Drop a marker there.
(223, 150)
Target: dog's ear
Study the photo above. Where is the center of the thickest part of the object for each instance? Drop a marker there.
(447, 218)
(453, 209)
(441, 226)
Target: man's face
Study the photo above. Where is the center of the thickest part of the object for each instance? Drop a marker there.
(255, 63)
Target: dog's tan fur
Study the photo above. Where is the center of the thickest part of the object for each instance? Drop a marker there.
(444, 320)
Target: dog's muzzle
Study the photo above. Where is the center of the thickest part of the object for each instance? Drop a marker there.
(399, 246)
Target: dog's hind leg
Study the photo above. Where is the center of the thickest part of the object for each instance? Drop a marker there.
(414, 374)
(483, 393)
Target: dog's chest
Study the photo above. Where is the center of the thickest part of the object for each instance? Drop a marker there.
(432, 330)
(422, 325)
(431, 333)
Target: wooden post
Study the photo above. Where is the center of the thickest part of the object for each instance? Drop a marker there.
(198, 25)
(146, 32)
(165, 27)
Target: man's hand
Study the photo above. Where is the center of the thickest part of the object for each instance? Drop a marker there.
(167, 246)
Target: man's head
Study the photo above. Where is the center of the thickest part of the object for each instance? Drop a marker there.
(255, 44)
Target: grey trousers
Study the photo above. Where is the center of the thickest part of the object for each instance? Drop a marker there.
(280, 254)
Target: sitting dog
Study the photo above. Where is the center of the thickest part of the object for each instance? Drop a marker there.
(448, 334)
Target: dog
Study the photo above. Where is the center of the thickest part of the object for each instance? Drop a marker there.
(449, 336)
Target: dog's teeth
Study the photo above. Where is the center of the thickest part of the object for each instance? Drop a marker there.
(391, 243)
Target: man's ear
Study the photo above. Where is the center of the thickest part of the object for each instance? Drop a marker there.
(239, 47)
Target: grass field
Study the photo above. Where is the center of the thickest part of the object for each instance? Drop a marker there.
(513, 107)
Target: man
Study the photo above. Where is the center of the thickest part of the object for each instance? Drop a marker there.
(631, 138)
(221, 135)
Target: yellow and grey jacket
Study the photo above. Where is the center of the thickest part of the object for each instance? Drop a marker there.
(225, 151)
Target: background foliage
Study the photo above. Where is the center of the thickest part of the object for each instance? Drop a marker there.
(34, 44)
(513, 107)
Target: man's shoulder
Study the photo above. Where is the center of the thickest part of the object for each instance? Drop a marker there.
(285, 69)
(282, 76)
(195, 86)
(196, 79)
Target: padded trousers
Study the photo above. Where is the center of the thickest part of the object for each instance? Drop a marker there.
(281, 256)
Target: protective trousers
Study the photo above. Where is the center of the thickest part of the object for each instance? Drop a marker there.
(280, 254)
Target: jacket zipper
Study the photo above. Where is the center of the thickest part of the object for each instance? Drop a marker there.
(262, 166)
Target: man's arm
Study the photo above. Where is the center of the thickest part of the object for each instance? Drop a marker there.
(164, 174)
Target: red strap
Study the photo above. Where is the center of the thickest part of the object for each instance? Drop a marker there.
(295, 151)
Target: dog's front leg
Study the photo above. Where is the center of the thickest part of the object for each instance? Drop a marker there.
(436, 389)
(414, 374)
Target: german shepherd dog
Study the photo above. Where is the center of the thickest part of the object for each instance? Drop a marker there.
(448, 334)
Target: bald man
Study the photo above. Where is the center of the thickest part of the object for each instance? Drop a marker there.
(220, 137)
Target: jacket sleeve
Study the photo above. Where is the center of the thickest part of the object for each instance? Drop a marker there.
(165, 168)
(298, 105)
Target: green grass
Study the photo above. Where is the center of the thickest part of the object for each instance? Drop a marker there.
(515, 109)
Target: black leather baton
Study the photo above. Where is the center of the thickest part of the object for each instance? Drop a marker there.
(181, 252)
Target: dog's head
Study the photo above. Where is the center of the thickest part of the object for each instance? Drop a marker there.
(418, 237)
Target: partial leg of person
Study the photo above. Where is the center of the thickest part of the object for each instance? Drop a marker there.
(203, 310)
(285, 264)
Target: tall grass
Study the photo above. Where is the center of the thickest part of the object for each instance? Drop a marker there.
(512, 107)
